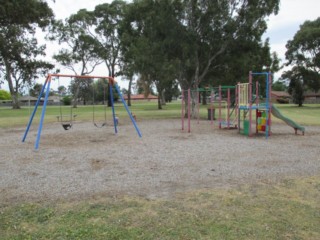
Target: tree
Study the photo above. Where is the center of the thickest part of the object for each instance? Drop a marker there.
(303, 52)
(83, 88)
(4, 95)
(62, 90)
(80, 52)
(148, 43)
(108, 18)
(35, 90)
(24, 13)
(203, 39)
(19, 50)
(296, 85)
(212, 29)
(101, 90)
(279, 86)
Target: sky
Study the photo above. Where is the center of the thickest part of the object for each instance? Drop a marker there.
(281, 27)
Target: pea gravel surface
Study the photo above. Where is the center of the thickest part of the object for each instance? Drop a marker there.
(86, 161)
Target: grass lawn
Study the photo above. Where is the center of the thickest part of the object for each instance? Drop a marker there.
(287, 210)
(307, 115)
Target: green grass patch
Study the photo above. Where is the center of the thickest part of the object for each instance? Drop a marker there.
(288, 210)
(307, 115)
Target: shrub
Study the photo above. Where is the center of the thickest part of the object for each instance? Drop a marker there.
(282, 100)
(66, 100)
(4, 95)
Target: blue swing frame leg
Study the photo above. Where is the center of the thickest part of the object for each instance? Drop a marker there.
(129, 113)
(36, 146)
(113, 111)
(34, 110)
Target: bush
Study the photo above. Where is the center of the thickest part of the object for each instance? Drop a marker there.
(67, 100)
(282, 100)
(4, 95)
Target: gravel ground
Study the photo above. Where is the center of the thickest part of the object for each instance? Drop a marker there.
(86, 161)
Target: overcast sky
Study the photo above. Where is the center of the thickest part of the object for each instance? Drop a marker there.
(281, 27)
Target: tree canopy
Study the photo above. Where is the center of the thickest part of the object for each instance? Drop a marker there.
(19, 49)
(303, 53)
(197, 41)
(165, 42)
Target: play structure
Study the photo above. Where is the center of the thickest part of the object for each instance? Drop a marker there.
(244, 107)
(249, 101)
(252, 111)
(67, 124)
(226, 109)
(230, 107)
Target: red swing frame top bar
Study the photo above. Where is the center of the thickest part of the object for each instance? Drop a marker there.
(111, 79)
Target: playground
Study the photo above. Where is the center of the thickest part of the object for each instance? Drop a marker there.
(123, 174)
(88, 161)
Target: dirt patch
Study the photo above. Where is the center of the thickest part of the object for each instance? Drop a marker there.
(87, 161)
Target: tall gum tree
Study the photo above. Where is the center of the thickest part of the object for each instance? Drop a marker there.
(148, 35)
(303, 53)
(211, 28)
(79, 49)
(108, 18)
(19, 49)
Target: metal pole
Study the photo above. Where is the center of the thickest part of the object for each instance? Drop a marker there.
(211, 106)
(220, 98)
(198, 106)
(239, 110)
(189, 98)
(267, 105)
(228, 109)
(182, 109)
(36, 146)
(270, 106)
(112, 106)
(35, 109)
(257, 105)
(250, 102)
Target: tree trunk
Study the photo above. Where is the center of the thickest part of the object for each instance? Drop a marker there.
(204, 98)
(194, 112)
(109, 96)
(129, 91)
(14, 94)
(75, 96)
(163, 98)
(159, 102)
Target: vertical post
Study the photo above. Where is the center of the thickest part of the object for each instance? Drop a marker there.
(211, 106)
(257, 93)
(189, 98)
(43, 113)
(257, 105)
(228, 109)
(238, 107)
(35, 109)
(182, 109)
(112, 106)
(250, 102)
(127, 109)
(220, 99)
(198, 106)
(270, 104)
(236, 102)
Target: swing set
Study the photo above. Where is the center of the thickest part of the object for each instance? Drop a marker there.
(68, 124)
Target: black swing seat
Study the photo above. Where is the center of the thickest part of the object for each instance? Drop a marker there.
(66, 126)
